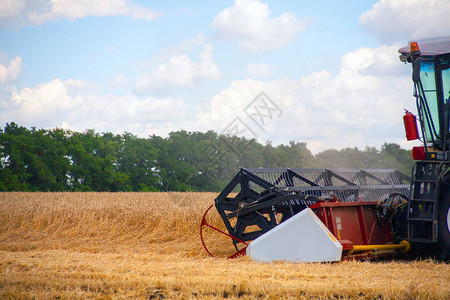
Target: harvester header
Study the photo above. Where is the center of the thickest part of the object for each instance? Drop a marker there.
(258, 200)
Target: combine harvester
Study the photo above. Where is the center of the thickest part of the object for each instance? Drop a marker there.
(312, 215)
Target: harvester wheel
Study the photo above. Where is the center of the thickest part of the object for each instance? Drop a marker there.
(444, 227)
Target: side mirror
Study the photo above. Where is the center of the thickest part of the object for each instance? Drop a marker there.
(416, 70)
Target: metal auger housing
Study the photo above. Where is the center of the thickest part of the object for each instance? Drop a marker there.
(257, 200)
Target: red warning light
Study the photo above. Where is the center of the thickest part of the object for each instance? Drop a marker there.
(418, 153)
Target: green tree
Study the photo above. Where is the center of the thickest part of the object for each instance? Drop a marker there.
(94, 162)
(33, 160)
(397, 158)
(61, 160)
(14, 174)
(137, 159)
(178, 155)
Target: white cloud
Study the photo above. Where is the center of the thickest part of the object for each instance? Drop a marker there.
(12, 8)
(18, 13)
(249, 22)
(360, 106)
(172, 50)
(368, 61)
(401, 20)
(45, 101)
(71, 104)
(179, 72)
(259, 70)
(9, 70)
(118, 81)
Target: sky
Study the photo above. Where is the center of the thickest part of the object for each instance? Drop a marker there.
(322, 72)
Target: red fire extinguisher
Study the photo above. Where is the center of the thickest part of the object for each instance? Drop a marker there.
(410, 126)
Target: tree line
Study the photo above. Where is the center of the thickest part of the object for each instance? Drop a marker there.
(62, 160)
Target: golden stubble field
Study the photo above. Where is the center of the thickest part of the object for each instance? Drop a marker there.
(147, 246)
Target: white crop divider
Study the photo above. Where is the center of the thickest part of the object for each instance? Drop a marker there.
(301, 238)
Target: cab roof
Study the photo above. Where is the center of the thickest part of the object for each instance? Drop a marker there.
(429, 47)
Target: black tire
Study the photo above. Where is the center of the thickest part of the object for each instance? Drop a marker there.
(444, 226)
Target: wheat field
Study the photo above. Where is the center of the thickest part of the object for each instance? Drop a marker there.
(147, 246)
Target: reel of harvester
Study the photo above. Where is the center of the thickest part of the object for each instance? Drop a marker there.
(257, 200)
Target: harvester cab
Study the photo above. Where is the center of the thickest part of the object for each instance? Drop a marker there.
(428, 207)
(333, 214)
(430, 61)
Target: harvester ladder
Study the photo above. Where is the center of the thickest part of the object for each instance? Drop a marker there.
(422, 207)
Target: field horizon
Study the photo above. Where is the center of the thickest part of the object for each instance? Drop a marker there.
(147, 246)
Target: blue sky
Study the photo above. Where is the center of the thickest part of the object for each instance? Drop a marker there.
(152, 67)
